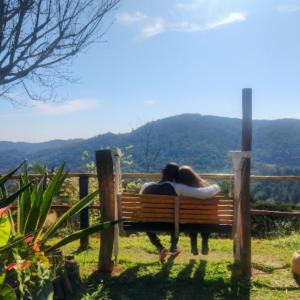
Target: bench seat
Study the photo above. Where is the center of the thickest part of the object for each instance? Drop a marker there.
(134, 227)
(160, 213)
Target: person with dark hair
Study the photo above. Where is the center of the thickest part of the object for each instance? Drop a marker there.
(195, 187)
(163, 187)
(187, 176)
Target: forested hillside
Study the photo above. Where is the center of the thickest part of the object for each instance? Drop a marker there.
(201, 141)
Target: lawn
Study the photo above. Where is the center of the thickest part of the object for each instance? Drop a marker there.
(139, 274)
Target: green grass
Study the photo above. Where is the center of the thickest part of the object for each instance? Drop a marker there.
(139, 274)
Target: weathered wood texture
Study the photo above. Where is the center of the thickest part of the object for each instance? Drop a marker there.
(105, 171)
(177, 210)
(117, 189)
(84, 214)
(245, 185)
(236, 227)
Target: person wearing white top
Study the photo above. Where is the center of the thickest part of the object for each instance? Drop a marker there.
(205, 192)
(189, 183)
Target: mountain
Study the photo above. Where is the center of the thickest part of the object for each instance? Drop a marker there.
(194, 139)
(34, 147)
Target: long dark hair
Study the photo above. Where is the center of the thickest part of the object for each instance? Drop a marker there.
(186, 175)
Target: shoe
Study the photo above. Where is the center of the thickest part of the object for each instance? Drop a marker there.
(194, 251)
(205, 249)
(174, 253)
(162, 255)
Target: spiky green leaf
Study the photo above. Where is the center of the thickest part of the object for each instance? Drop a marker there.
(10, 174)
(10, 199)
(36, 203)
(68, 214)
(81, 233)
(24, 200)
(50, 192)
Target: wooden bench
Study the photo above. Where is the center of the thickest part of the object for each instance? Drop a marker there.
(144, 212)
(160, 213)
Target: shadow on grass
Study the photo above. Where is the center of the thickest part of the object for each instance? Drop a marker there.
(153, 281)
(276, 288)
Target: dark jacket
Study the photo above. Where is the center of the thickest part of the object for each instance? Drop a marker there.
(161, 188)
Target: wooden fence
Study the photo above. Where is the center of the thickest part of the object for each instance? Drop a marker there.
(83, 182)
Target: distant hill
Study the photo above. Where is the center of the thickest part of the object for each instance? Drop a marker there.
(201, 141)
(34, 147)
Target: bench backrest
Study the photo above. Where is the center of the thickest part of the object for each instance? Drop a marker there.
(172, 209)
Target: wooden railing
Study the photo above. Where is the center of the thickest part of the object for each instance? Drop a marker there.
(83, 182)
(156, 176)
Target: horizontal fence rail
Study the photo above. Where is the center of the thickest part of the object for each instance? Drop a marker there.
(157, 176)
(215, 176)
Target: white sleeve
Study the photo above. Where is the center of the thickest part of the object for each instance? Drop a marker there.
(146, 184)
(197, 192)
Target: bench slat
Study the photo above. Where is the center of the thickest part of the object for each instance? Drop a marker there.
(160, 208)
(205, 217)
(217, 222)
(130, 195)
(153, 199)
(189, 210)
(184, 221)
(212, 212)
(182, 205)
(150, 219)
(139, 215)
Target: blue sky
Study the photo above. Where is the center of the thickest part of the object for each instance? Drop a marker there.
(163, 58)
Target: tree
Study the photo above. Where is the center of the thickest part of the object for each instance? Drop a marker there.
(37, 36)
(149, 145)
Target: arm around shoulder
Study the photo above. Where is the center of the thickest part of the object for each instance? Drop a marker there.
(201, 192)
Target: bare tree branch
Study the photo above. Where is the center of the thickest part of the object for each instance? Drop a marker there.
(37, 35)
(149, 145)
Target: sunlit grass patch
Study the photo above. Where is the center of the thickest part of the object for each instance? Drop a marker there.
(140, 275)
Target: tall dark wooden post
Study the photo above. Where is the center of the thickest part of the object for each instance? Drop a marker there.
(84, 214)
(106, 160)
(245, 185)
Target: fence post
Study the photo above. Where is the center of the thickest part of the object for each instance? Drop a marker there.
(84, 214)
(107, 163)
(238, 160)
(245, 185)
(241, 221)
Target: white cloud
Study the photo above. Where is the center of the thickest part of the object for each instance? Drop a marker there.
(66, 107)
(231, 18)
(126, 18)
(185, 16)
(289, 6)
(158, 26)
(150, 102)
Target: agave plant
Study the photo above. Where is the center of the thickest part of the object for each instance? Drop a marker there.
(22, 247)
(7, 230)
(34, 204)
